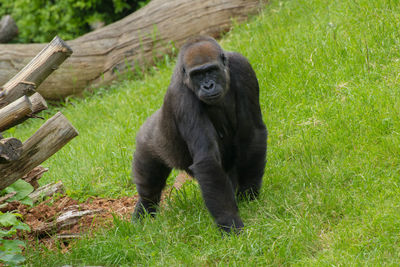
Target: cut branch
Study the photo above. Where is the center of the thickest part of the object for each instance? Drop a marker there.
(47, 191)
(21, 110)
(34, 175)
(137, 39)
(33, 74)
(14, 112)
(10, 150)
(50, 138)
(65, 220)
(6, 197)
(38, 103)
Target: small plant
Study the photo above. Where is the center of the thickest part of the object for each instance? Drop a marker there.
(10, 248)
(22, 189)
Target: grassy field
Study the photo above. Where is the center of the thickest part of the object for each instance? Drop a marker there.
(330, 96)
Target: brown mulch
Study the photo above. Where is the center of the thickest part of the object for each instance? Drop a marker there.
(48, 211)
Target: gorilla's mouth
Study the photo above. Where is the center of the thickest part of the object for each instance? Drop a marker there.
(214, 96)
(212, 99)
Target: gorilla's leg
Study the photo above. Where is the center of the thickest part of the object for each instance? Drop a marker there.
(251, 166)
(150, 175)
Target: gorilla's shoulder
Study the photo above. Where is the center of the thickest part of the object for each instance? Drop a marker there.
(238, 62)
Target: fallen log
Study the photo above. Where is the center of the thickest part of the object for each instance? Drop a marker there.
(8, 29)
(133, 41)
(47, 191)
(63, 221)
(10, 150)
(32, 75)
(50, 138)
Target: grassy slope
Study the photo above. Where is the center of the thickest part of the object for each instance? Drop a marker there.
(329, 76)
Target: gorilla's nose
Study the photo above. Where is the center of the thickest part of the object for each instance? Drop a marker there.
(209, 85)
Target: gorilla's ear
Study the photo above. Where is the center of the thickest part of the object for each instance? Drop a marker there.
(223, 58)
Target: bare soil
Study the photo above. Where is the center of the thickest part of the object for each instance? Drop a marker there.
(47, 212)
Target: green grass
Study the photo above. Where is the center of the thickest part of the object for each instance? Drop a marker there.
(330, 96)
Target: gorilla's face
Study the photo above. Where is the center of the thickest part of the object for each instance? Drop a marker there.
(206, 72)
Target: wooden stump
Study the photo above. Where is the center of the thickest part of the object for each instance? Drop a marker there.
(10, 150)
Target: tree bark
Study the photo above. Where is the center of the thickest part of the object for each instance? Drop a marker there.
(33, 74)
(137, 39)
(50, 138)
(8, 29)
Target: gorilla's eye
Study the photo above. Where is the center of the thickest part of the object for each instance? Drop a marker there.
(223, 58)
(197, 75)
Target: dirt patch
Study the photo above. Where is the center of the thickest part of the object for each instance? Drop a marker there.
(46, 214)
(49, 228)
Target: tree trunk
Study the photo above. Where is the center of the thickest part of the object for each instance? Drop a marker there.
(137, 39)
(50, 138)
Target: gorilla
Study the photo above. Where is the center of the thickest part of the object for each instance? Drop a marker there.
(211, 126)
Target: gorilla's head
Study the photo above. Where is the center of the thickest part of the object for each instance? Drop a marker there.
(205, 69)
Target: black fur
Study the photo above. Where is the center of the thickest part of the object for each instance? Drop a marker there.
(210, 125)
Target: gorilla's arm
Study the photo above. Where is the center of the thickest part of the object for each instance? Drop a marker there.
(200, 137)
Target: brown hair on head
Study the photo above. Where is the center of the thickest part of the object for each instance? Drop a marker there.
(200, 50)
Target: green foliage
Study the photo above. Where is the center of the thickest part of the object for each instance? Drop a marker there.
(23, 189)
(10, 249)
(41, 20)
(329, 93)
